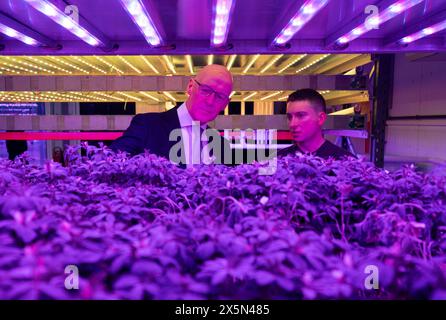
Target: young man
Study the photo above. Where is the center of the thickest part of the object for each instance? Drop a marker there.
(208, 94)
(306, 114)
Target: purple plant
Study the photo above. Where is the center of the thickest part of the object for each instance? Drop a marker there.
(141, 228)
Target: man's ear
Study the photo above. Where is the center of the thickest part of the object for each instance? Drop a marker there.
(322, 118)
(189, 87)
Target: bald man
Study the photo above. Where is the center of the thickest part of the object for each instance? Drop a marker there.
(181, 134)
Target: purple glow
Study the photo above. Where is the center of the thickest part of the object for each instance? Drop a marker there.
(51, 11)
(280, 40)
(29, 41)
(222, 9)
(296, 22)
(428, 31)
(396, 8)
(18, 35)
(424, 32)
(67, 23)
(308, 10)
(392, 11)
(142, 19)
(374, 21)
(219, 40)
(80, 32)
(343, 40)
(48, 10)
(221, 21)
(288, 32)
(358, 31)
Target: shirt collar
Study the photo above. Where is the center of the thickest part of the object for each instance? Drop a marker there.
(185, 117)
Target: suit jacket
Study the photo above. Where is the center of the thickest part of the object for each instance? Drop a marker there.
(151, 131)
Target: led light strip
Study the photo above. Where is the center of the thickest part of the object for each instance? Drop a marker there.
(29, 64)
(9, 70)
(308, 10)
(312, 63)
(69, 64)
(250, 96)
(12, 33)
(88, 64)
(129, 64)
(424, 32)
(108, 64)
(283, 98)
(273, 61)
(167, 94)
(51, 11)
(89, 96)
(18, 67)
(292, 62)
(108, 96)
(271, 95)
(210, 59)
(392, 11)
(142, 19)
(149, 96)
(56, 95)
(169, 64)
(231, 61)
(49, 64)
(78, 95)
(251, 63)
(190, 65)
(128, 96)
(221, 21)
(149, 64)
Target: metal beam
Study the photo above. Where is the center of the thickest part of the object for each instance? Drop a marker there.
(242, 47)
(382, 102)
(121, 122)
(172, 83)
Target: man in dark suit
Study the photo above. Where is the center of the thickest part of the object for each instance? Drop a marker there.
(181, 134)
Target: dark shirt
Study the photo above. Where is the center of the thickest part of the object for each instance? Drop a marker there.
(326, 150)
(16, 148)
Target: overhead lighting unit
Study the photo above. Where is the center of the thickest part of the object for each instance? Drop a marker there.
(16, 30)
(306, 12)
(142, 18)
(389, 13)
(221, 20)
(12, 33)
(51, 11)
(424, 33)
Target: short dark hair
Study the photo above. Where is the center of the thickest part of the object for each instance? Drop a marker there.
(314, 97)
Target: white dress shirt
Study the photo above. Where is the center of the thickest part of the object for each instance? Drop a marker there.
(190, 134)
